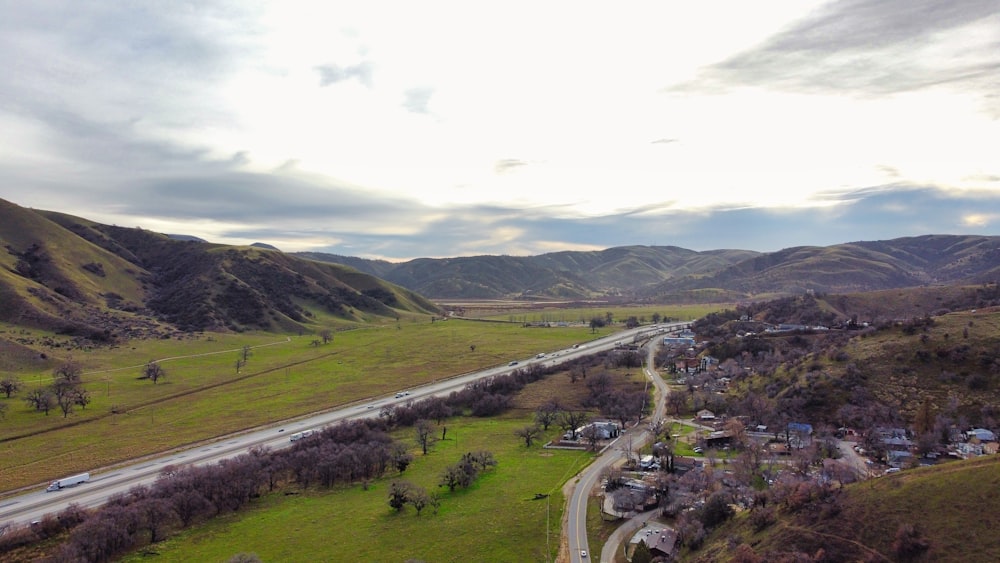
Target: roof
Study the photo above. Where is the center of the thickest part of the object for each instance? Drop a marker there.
(800, 427)
(982, 434)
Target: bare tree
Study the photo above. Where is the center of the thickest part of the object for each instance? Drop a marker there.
(676, 401)
(327, 335)
(66, 402)
(424, 430)
(81, 397)
(591, 434)
(548, 413)
(10, 385)
(571, 420)
(154, 371)
(528, 434)
(41, 399)
(419, 498)
(69, 372)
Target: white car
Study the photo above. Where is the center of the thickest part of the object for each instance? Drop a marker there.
(583, 553)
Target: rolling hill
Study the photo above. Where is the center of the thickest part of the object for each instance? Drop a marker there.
(102, 282)
(665, 274)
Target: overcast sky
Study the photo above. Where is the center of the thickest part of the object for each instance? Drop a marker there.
(430, 129)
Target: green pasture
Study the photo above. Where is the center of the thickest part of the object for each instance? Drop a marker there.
(644, 313)
(497, 519)
(203, 396)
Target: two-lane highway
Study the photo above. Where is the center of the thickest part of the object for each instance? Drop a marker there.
(576, 532)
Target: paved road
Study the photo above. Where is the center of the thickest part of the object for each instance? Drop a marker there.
(576, 531)
(28, 507)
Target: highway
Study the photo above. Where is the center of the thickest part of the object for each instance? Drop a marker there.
(28, 507)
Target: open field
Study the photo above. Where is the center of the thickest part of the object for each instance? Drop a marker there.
(556, 312)
(203, 396)
(496, 519)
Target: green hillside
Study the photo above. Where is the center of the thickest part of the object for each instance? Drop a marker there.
(107, 283)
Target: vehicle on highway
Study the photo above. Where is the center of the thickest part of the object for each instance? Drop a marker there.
(541, 355)
(583, 553)
(299, 435)
(73, 481)
(512, 363)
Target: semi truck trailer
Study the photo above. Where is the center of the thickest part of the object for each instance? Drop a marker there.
(68, 482)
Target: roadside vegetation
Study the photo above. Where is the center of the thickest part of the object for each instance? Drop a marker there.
(203, 395)
(428, 479)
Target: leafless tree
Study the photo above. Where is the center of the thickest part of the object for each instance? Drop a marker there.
(548, 413)
(41, 400)
(81, 397)
(69, 372)
(424, 430)
(10, 385)
(327, 335)
(528, 434)
(591, 435)
(154, 371)
(571, 420)
(419, 498)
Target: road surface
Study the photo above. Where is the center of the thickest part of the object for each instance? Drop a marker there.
(28, 507)
(576, 528)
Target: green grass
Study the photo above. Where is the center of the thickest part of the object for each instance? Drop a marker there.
(538, 313)
(203, 396)
(494, 520)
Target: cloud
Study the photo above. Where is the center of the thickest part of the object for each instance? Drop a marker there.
(665, 141)
(872, 47)
(417, 100)
(506, 165)
(332, 74)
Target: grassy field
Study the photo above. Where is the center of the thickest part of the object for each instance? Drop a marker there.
(497, 519)
(203, 396)
(554, 314)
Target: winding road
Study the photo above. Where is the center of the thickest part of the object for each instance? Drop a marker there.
(576, 525)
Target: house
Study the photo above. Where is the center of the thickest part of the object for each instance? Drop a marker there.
(705, 414)
(663, 544)
(897, 458)
(800, 434)
(981, 434)
(602, 430)
(718, 439)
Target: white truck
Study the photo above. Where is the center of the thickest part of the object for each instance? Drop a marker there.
(299, 435)
(68, 482)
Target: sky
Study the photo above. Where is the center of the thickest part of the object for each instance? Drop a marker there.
(398, 130)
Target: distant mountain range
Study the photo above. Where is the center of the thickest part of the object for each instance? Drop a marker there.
(76, 276)
(671, 274)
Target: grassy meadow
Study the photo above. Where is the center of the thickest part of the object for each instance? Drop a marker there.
(496, 519)
(202, 396)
